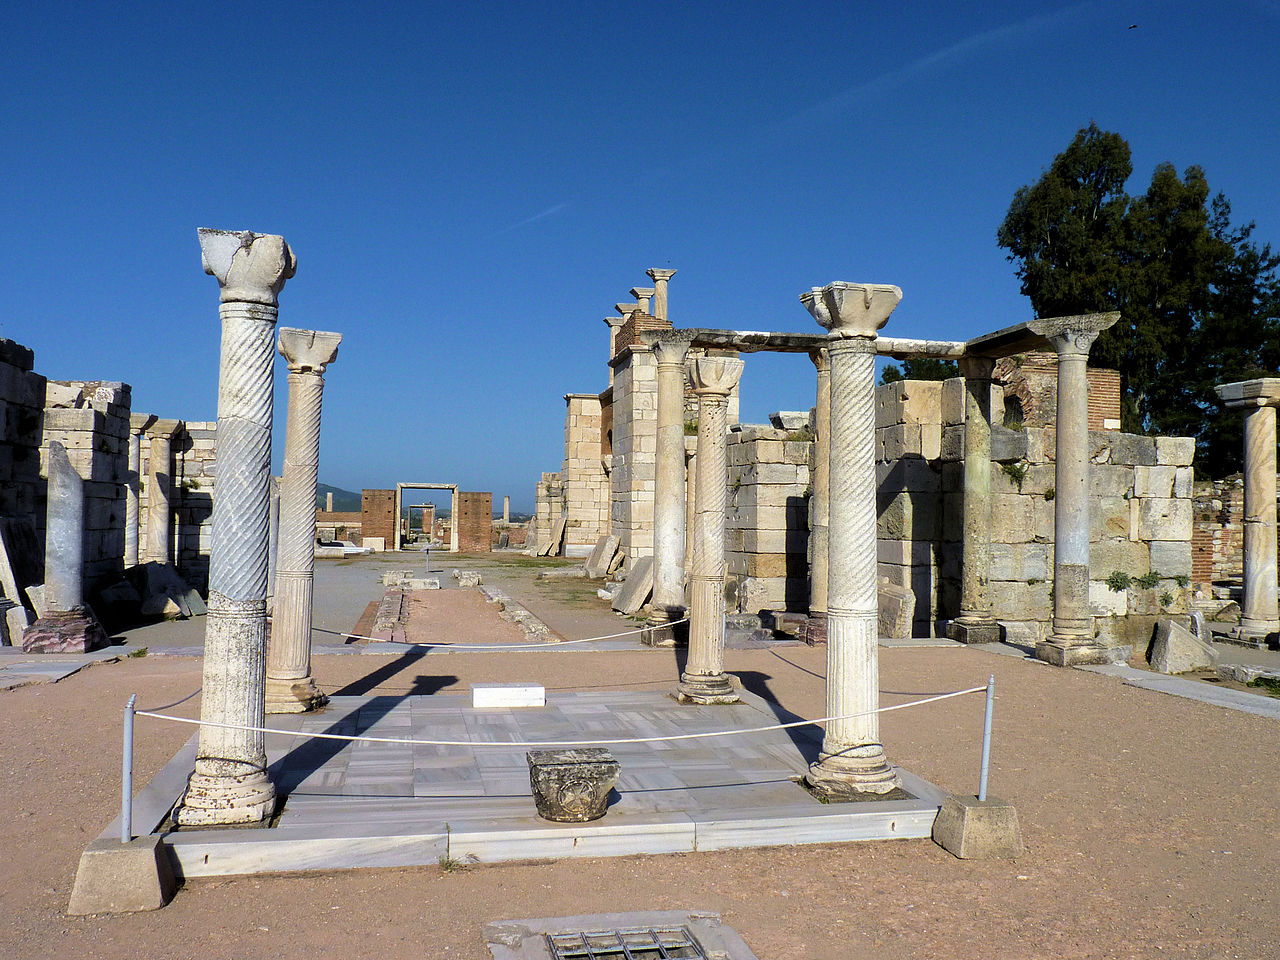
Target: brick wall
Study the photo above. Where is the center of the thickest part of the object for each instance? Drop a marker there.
(1217, 538)
(475, 522)
(1030, 383)
(628, 333)
(378, 515)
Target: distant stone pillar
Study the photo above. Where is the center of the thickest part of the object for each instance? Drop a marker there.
(290, 686)
(704, 680)
(453, 521)
(131, 492)
(67, 626)
(669, 489)
(506, 509)
(852, 760)
(660, 279)
(328, 502)
(159, 492)
(230, 783)
(975, 623)
(614, 323)
(643, 295)
(816, 628)
(1073, 638)
(1260, 608)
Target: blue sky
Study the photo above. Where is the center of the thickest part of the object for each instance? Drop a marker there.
(469, 188)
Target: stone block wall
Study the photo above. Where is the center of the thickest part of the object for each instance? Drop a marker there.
(548, 506)
(766, 520)
(1030, 384)
(586, 484)
(635, 445)
(22, 394)
(1217, 544)
(378, 515)
(193, 451)
(338, 525)
(475, 522)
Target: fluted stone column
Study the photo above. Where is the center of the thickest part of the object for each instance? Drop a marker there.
(614, 324)
(704, 680)
(67, 625)
(816, 629)
(131, 500)
(273, 539)
(853, 760)
(1072, 640)
(1259, 608)
(290, 686)
(643, 295)
(660, 279)
(230, 783)
(160, 492)
(669, 491)
(975, 623)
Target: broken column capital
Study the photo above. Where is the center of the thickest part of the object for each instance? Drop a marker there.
(1073, 336)
(714, 376)
(821, 358)
(1263, 392)
(852, 309)
(308, 351)
(671, 353)
(165, 429)
(249, 267)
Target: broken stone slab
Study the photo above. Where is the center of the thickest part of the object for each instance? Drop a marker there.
(897, 609)
(605, 594)
(65, 631)
(634, 592)
(1176, 649)
(116, 877)
(467, 578)
(790, 419)
(118, 604)
(391, 578)
(572, 785)
(1246, 672)
(597, 564)
(35, 594)
(422, 583)
(973, 829)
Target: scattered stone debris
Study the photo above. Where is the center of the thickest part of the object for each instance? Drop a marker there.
(467, 578)
(517, 613)
(1176, 649)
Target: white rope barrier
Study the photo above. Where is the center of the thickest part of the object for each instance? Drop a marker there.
(557, 743)
(515, 646)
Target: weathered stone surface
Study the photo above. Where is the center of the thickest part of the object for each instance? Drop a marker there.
(467, 578)
(572, 785)
(116, 877)
(1171, 558)
(65, 631)
(1007, 445)
(897, 607)
(1175, 451)
(597, 564)
(635, 590)
(973, 829)
(1165, 519)
(1176, 649)
(790, 419)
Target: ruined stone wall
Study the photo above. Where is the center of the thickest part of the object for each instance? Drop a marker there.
(21, 409)
(766, 520)
(1030, 382)
(635, 445)
(475, 522)
(586, 484)
(194, 454)
(548, 506)
(1217, 543)
(1140, 515)
(338, 525)
(378, 515)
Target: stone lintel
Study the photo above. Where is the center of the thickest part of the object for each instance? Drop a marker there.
(308, 350)
(1263, 392)
(162, 428)
(249, 267)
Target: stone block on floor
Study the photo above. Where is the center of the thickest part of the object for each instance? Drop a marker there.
(116, 877)
(973, 829)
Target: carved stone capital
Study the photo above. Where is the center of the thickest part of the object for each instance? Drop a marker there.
(671, 352)
(614, 322)
(627, 309)
(249, 267)
(660, 276)
(1073, 336)
(642, 293)
(308, 350)
(821, 358)
(1263, 392)
(852, 309)
(714, 376)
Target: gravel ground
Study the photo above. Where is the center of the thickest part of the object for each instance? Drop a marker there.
(1151, 824)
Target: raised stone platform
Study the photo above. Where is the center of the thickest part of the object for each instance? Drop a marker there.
(384, 804)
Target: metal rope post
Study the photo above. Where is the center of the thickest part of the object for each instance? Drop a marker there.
(126, 774)
(986, 738)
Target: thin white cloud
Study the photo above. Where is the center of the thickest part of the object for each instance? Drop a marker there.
(549, 212)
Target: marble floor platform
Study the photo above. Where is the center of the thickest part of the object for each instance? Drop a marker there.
(368, 804)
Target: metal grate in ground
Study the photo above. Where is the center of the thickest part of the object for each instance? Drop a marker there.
(646, 943)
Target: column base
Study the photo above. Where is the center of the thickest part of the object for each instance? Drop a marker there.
(1256, 633)
(294, 696)
(973, 631)
(852, 774)
(661, 632)
(226, 800)
(1073, 652)
(814, 631)
(706, 690)
(72, 631)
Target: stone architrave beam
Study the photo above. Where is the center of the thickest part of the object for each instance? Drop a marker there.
(67, 625)
(852, 761)
(1260, 607)
(704, 680)
(1073, 640)
(230, 783)
(975, 623)
(290, 686)
(660, 280)
(669, 490)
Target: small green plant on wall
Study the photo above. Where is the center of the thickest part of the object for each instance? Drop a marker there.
(1147, 580)
(1017, 472)
(1119, 580)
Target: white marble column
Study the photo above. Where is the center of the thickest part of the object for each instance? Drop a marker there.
(132, 483)
(660, 280)
(506, 510)
(1259, 607)
(853, 760)
(1072, 640)
(643, 295)
(453, 521)
(160, 492)
(230, 783)
(975, 623)
(704, 680)
(290, 686)
(669, 491)
(816, 629)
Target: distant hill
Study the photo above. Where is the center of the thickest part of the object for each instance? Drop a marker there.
(344, 501)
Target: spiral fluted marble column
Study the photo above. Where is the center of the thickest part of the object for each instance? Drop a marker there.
(853, 760)
(230, 783)
(1073, 639)
(290, 686)
(816, 629)
(660, 280)
(704, 680)
(669, 491)
(975, 623)
(1259, 607)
